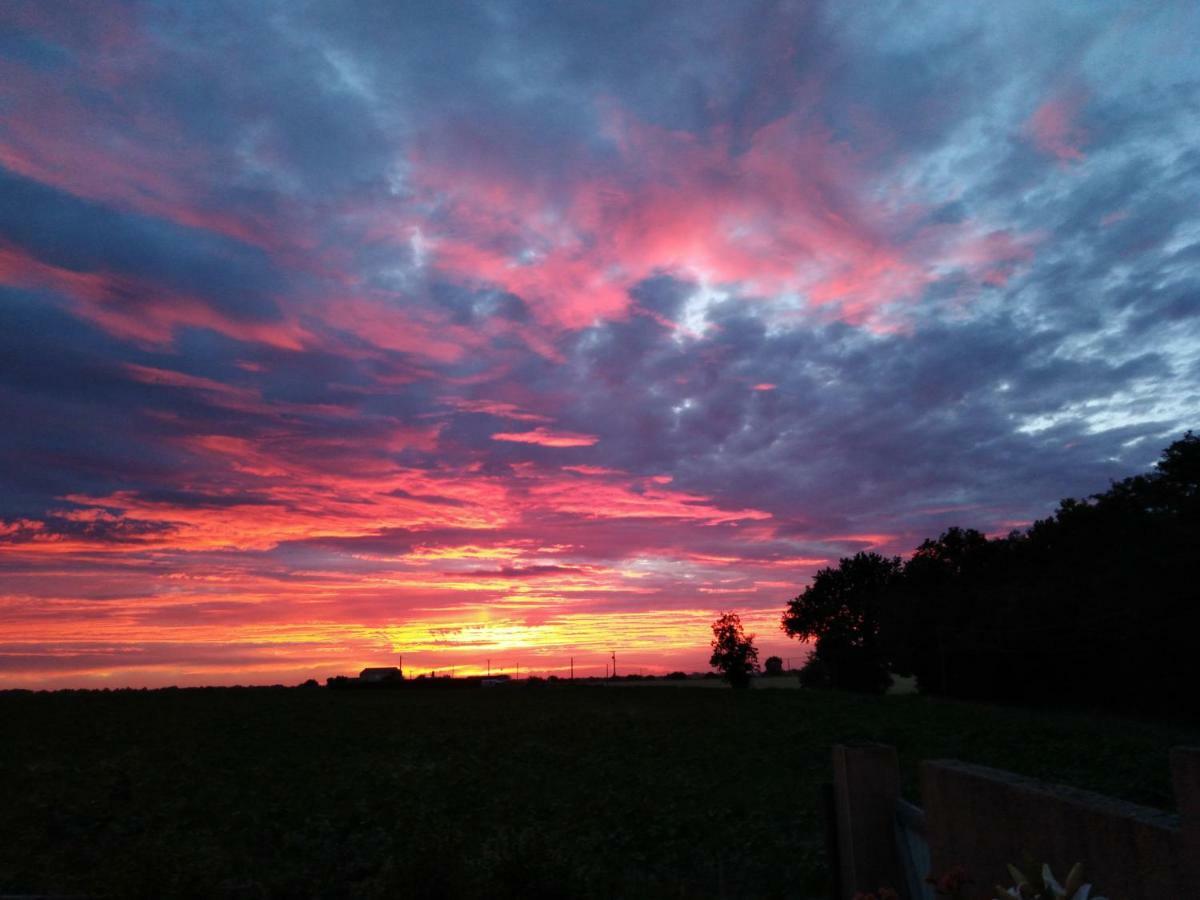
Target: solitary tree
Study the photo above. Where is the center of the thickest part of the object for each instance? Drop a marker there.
(773, 667)
(734, 653)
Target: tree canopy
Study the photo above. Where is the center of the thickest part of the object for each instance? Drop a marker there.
(733, 652)
(843, 611)
(1097, 604)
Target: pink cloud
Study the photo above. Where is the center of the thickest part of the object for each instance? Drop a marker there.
(1054, 126)
(388, 324)
(122, 152)
(789, 214)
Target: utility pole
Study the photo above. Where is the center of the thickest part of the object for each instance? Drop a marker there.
(614, 659)
(517, 676)
(489, 668)
(572, 668)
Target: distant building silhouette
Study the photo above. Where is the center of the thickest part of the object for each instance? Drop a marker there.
(383, 673)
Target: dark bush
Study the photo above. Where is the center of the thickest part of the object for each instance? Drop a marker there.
(814, 673)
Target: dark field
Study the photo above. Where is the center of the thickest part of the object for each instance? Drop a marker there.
(514, 792)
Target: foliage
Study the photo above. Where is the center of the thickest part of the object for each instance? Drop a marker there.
(733, 652)
(843, 610)
(1097, 604)
(951, 596)
(814, 673)
(593, 792)
(852, 667)
(773, 667)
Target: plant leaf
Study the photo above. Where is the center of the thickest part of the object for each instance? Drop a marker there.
(1018, 878)
(1074, 881)
(1049, 881)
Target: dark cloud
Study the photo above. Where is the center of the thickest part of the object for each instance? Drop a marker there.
(428, 498)
(89, 531)
(517, 572)
(82, 237)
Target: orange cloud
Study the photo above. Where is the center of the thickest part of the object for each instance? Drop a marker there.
(547, 438)
(493, 408)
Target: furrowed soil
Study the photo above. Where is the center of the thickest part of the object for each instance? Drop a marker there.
(520, 791)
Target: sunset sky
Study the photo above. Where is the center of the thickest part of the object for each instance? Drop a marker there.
(519, 331)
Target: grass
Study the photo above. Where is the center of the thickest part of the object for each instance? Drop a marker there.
(514, 792)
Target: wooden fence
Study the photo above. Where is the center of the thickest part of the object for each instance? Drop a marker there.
(981, 819)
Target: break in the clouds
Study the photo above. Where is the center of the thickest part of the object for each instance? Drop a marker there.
(522, 331)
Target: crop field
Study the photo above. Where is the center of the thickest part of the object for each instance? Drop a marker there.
(521, 791)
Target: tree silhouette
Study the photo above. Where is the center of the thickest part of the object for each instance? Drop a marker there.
(1098, 604)
(734, 654)
(773, 667)
(843, 611)
(945, 610)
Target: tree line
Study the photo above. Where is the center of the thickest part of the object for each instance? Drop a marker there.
(1095, 605)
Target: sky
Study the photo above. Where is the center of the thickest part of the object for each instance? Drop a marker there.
(508, 333)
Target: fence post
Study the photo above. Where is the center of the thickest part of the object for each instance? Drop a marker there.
(866, 780)
(1185, 774)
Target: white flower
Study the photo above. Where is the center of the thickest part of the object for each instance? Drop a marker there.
(1050, 883)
